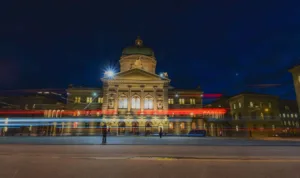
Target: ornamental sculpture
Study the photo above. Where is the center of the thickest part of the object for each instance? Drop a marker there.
(137, 64)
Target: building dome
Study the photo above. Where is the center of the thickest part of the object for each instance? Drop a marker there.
(138, 49)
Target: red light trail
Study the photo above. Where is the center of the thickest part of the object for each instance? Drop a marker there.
(109, 112)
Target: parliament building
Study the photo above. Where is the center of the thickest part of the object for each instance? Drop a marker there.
(137, 100)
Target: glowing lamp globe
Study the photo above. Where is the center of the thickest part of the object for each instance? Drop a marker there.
(109, 73)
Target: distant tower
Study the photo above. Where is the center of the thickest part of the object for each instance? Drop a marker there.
(296, 77)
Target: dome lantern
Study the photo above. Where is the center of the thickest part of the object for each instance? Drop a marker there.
(138, 49)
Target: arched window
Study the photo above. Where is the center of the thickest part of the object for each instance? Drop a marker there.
(123, 101)
(148, 104)
(135, 102)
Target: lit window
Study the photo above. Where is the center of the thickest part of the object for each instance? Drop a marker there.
(136, 102)
(283, 115)
(192, 101)
(171, 125)
(181, 100)
(287, 115)
(234, 106)
(171, 101)
(292, 115)
(251, 104)
(182, 126)
(262, 116)
(89, 99)
(77, 99)
(123, 102)
(220, 106)
(299, 78)
(296, 115)
(270, 105)
(240, 104)
(237, 128)
(148, 103)
(100, 100)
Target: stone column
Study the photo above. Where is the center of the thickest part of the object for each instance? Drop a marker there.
(165, 97)
(200, 124)
(188, 126)
(142, 99)
(142, 127)
(54, 129)
(129, 100)
(212, 130)
(177, 128)
(154, 100)
(116, 100)
(128, 127)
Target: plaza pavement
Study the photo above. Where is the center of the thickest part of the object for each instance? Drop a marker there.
(77, 157)
(142, 140)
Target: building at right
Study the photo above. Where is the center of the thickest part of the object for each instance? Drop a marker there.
(296, 78)
(255, 115)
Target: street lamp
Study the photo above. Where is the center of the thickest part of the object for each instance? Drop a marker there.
(109, 73)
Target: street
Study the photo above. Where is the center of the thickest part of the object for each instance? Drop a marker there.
(142, 140)
(146, 157)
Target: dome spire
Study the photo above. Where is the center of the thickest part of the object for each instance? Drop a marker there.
(138, 41)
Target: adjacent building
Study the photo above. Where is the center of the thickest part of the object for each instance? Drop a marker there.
(295, 71)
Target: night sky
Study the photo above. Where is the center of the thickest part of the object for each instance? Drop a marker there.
(223, 46)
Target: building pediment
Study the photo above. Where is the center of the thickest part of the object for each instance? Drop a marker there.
(137, 74)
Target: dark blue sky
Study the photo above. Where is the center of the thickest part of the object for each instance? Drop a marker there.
(223, 46)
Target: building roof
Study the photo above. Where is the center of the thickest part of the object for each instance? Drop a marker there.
(295, 67)
(138, 48)
(253, 93)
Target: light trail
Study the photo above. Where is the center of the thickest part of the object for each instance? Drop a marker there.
(100, 112)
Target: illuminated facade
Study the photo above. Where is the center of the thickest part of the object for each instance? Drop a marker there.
(262, 114)
(137, 100)
(134, 101)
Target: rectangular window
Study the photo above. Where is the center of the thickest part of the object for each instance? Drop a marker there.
(77, 99)
(251, 104)
(100, 100)
(181, 100)
(234, 106)
(192, 101)
(171, 101)
(240, 105)
(270, 105)
(89, 99)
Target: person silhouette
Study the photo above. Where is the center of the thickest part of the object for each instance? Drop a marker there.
(160, 132)
(104, 134)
